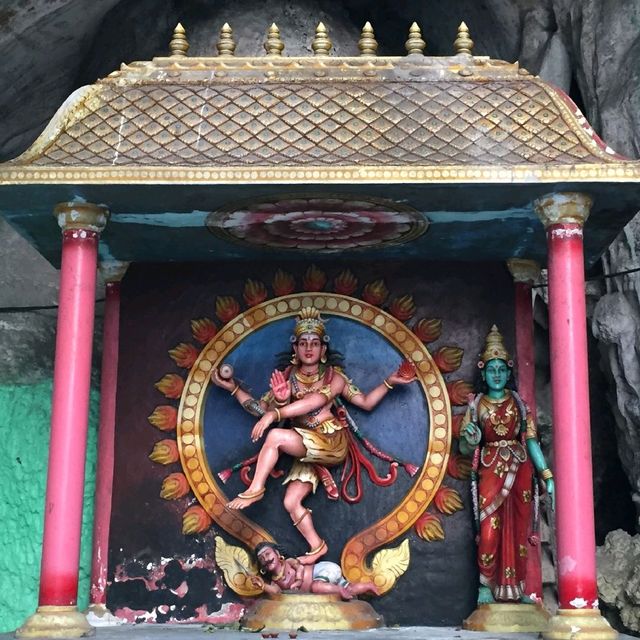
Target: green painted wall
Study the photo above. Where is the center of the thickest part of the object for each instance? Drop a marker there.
(24, 436)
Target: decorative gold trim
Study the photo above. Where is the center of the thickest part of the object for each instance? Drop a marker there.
(622, 172)
(190, 423)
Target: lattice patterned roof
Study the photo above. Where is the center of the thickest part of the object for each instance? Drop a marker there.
(300, 119)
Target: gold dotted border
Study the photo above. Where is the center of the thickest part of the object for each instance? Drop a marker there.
(446, 174)
(190, 432)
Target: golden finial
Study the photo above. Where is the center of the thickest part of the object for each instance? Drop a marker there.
(463, 43)
(226, 45)
(367, 44)
(179, 45)
(321, 44)
(274, 45)
(415, 43)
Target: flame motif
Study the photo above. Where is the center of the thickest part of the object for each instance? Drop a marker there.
(184, 355)
(203, 330)
(345, 283)
(459, 391)
(170, 386)
(407, 370)
(195, 520)
(375, 293)
(403, 308)
(174, 486)
(164, 417)
(448, 501)
(227, 308)
(456, 424)
(448, 359)
(428, 329)
(283, 283)
(459, 467)
(429, 527)
(254, 292)
(165, 452)
(314, 279)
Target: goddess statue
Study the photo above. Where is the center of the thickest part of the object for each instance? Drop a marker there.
(501, 434)
(309, 394)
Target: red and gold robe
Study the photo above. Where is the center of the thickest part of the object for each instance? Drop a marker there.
(505, 495)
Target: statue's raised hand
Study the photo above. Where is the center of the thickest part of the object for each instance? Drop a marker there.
(224, 383)
(405, 374)
(280, 387)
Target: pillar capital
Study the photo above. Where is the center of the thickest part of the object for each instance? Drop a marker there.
(563, 208)
(113, 270)
(526, 271)
(75, 216)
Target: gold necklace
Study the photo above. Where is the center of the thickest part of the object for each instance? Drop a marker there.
(305, 378)
(281, 574)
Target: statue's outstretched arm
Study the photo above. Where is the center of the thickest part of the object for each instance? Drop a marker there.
(369, 401)
(248, 402)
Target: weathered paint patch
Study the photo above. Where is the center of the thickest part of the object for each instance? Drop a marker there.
(578, 603)
(177, 220)
(567, 565)
(565, 233)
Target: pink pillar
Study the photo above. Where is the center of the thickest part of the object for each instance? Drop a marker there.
(525, 273)
(563, 216)
(81, 225)
(112, 273)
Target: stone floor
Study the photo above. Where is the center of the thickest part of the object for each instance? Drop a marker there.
(201, 632)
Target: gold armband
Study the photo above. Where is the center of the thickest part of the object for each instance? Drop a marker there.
(280, 404)
(325, 391)
(277, 412)
(546, 474)
(235, 390)
(386, 384)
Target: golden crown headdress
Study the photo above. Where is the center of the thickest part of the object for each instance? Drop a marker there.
(494, 348)
(310, 321)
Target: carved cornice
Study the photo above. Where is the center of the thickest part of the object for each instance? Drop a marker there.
(525, 271)
(79, 216)
(563, 208)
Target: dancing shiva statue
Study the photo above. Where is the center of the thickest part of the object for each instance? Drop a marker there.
(500, 434)
(306, 403)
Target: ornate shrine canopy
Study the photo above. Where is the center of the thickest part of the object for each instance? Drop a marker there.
(317, 148)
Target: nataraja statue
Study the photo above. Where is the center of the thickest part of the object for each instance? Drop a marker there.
(501, 434)
(309, 394)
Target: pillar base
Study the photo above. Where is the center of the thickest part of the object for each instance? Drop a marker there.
(99, 616)
(56, 622)
(314, 612)
(507, 617)
(579, 624)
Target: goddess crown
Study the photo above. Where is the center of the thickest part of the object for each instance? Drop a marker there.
(494, 348)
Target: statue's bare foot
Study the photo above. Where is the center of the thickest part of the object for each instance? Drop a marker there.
(311, 557)
(243, 500)
(345, 593)
(359, 588)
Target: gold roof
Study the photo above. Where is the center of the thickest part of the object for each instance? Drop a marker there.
(318, 119)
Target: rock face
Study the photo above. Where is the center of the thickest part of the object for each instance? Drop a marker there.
(619, 577)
